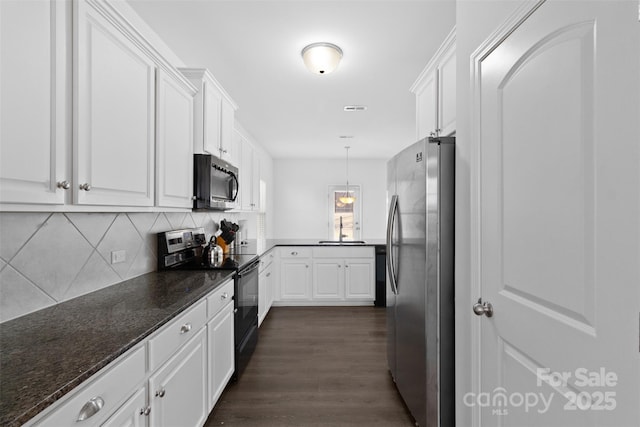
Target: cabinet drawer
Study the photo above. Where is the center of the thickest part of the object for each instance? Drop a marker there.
(175, 334)
(110, 388)
(343, 252)
(295, 252)
(220, 297)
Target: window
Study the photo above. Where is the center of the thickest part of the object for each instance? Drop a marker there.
(347, 213)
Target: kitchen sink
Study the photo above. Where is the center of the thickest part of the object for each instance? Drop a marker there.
(344, 242)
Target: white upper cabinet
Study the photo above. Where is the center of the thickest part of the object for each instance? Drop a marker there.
(114, 113)
(435, 91)
(174, 135)
(35, 42)
(249, 174)
(214, 116)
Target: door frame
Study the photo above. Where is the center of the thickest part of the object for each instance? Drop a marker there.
(473, 365)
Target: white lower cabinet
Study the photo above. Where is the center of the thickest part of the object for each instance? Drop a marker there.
(326, 275)
(174, 378)
(221, 353)
(265, 286)
(178, 390)
(328, 279)
(220, 342)
(99, 397)
(133, 413)
(359, 281)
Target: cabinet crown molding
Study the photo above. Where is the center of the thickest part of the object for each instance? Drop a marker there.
(433, 62)
(201, 73)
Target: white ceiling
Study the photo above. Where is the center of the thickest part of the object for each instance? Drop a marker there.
(253, 49)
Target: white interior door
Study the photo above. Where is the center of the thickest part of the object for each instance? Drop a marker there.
(557, 105)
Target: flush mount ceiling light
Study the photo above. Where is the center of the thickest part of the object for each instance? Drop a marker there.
(321, 58)
(348, 197)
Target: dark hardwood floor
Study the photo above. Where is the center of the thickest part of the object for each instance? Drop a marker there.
(316, 366)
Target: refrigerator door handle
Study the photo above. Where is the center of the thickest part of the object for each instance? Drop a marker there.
(393, 210)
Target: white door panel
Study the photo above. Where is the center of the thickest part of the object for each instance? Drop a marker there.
(559, 216)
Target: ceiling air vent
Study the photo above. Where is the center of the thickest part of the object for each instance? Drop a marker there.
(355, 108)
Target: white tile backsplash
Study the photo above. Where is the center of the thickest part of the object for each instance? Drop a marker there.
(47, 258)
(54, 256)
(16, 229)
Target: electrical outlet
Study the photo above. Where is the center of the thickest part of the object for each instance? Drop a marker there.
(118, 256)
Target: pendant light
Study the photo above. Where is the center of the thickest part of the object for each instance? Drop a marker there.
(321, 58)
(348, 197)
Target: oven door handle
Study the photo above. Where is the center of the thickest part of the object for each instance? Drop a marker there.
(248, 270)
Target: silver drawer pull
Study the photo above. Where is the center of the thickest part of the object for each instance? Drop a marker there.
(145, 411)
(90, 408)
(268, 274)
(294, 253)
(224, 296)
(185, 328)
(161, 392)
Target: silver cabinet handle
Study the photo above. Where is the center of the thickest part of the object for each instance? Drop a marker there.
(307, 265)
(65, 185)
(90, 408)
(224, 296)
(145, 411)
(346, 266)
(481, 308)
(339, 266)
(161, 392)
(268, 274)
(294, 253)
(185, 328)
(85, 186)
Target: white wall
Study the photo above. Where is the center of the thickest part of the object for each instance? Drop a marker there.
(475, 21)
(300, 194)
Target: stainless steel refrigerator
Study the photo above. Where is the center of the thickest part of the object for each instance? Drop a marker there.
(420, 243)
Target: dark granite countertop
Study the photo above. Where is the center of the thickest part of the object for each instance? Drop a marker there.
(46, 354)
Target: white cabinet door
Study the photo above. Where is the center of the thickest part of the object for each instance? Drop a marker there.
(178, 389)
(359, 278)
(212, 116)
(447, 93)
(221, 353)
(426, 105)
(34, 107)
(328, 279)
(131, 413)
(114, 113)
(228, 150)
(246, 175)
(295, 280)
(174, 161)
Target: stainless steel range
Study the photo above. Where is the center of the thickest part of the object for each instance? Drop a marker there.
(183, 250)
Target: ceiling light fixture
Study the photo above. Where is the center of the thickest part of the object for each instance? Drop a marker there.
(321, 58)
(348, 197)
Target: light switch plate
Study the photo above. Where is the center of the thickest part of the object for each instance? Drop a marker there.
(118, 256)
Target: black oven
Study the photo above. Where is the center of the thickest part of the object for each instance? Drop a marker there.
(246, 315)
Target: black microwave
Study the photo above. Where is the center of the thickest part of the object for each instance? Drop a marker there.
(215, 183)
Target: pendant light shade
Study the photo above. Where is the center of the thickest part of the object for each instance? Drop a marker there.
(321, 58)
(348, 197)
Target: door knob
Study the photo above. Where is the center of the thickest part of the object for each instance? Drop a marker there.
(481, 308)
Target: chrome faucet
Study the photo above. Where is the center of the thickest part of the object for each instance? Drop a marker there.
(341, 227)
